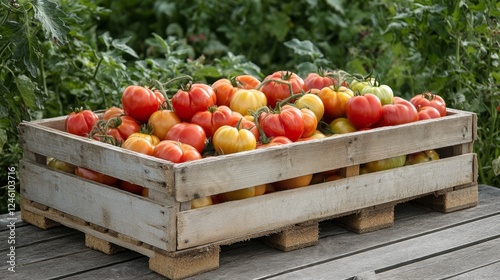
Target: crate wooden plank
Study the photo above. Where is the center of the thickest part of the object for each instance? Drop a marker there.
(105, 206)
(232, 219)
(230, 172)
(130, 166)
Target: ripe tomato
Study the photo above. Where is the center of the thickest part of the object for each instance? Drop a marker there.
(400, 112)
(385, 164)
(280, 85)
(126, 126)
(310, 122)
(129, 187)
(423, 156)
(188, 133)
(176, 151)
(60, 165)
(312, 102)
(242, 194)
(364, 110)
(288, 122)
(429, 99)
(95, 176)
(318, 81)
(229, 140)
(383, 92)
(80, 122)
(139, 102)
(201, 202)
(112, 112)
(141, 142)
(428, 112)
(358, 85)
(293, 183)
(246, 100)
(195, 98)
(278, 140)
(162, 121)
(341, 126)
(243, 122)
(334, 99)
(225, 88)
(213, 118)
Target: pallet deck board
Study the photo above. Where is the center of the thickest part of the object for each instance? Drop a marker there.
(253, 260)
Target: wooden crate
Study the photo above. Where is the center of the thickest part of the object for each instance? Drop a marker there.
(164, 227)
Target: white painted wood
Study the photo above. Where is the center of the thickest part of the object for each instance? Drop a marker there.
(105, 206)
(258, 214)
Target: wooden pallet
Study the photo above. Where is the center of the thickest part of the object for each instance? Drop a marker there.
(164, 228)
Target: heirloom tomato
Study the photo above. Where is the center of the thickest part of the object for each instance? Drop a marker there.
(278, 140)
(125, 126)
(60, 165)
(112, 112)
(162, 121)
(358, 85)
(287, 121)
(385, 164)
(201, 202)
(141, 142)
(188, 133)
(401, 111)
(242, 194)
(318, 81)
(246, 100)
(195, 98)
(310, 122)
(429, 99)
(244, 122)
(80, 122)
(364, 110)
(423, 156)
(334, 99)
(176, 151)
(280, 85)
(383, 92)
(428, 112)
(95, 176)
(341, 126)
(225, 88)
(139, 102)
(313, 103)
(228, 140)
(293, 183)
(129, 187)
(213, 118)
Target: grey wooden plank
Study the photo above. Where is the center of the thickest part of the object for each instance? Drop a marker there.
(261, 261)
(27, 235)
(401, 252)
(67, 265)
(6, 220)
(487, 271)
(449, 264)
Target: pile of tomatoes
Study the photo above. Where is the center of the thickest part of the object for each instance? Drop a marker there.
(245, 113)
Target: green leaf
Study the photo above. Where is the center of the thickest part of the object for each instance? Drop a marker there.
(26, 88)
(3, 139)
(304, 48)
(51, 18)
(337, 5)
(121, 44)
(208, 71)
(496, 166)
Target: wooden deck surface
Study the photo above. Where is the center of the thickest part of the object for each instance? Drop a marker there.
(422, 244)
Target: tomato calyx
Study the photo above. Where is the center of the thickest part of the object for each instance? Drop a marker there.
(100, 131)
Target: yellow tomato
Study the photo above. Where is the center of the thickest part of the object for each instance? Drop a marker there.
(293, 183)
(313, 103)
(334, 99)
(243, 193)
(245, 100)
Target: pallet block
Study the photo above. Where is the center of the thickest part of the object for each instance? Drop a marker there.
(459, 198)
(297, 237)
(36, 219)
(368, 220)
(101, 245)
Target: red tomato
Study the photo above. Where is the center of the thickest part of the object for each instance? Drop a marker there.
(80, 122)
(281, 85)
(213, 118)
(129, 187)
(364, 110)
(188, 133)
(95, 176)
(237, 118)
(139, 102)
(400, 112)
(196, 98)
(428, 112)
(287, 122)
(278, 140)
(176, 151)
(112, 112)
(310, 122)
(318, 81)
(429, 99)
(126, 126)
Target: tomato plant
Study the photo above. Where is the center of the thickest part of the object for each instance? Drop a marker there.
(285, 121)
(280, 85)
(229, 140)
(429, 99)
(334, 99)
(246, 100)
(400, 112)
(176, 151)
(80, 122)
(139, 102)
(213, 118)
(188, 133)
(364, 110)
(191, 99)
(95, 176)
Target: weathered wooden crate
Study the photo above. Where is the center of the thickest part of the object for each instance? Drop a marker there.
(181, 241)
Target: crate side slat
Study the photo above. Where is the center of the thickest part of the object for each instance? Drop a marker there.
(108, 207)
(225, 173)
(259, 214)
(114, 161)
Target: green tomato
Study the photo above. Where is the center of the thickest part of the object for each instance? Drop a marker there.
(60, 165)
(358, 86)
(384, 164)
(383, 92)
